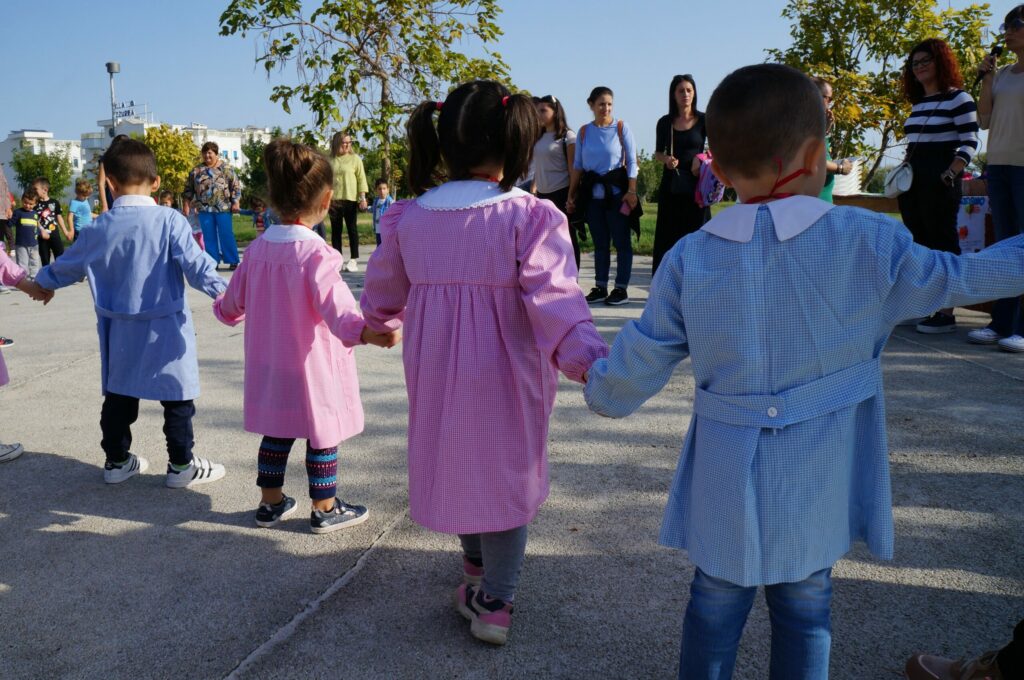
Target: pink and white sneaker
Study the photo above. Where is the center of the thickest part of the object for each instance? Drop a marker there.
(489, 617)
(471, 573)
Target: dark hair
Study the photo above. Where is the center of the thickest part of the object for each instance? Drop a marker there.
(44, 181)
(83, 187)
(599, 91)
(296, 177)
(380, 180)
(673, 108)
(561, 125)
(30, 195)
(210, 146)
(481, 122)
(759, 116)
(130, 162)
(947, 70)
(1015, 13)
(166, 194)
(336, 142)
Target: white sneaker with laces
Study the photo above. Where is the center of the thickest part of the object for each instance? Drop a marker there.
(199, 471)
(983, 336)
(115, 474)
(1014, 343)
(9, 452)
(352, 265)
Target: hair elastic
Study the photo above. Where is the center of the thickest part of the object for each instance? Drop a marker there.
(438, 105)
(504, 101)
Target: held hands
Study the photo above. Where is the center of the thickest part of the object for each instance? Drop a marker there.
(35, 291)
(385, 340)
(363, 205)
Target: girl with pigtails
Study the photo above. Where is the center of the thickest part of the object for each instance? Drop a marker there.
(486, 328)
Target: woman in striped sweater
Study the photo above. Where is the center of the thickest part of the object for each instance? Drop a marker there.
(942, 136)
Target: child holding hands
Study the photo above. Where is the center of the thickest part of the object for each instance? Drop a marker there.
(301, 325)
(784, 304)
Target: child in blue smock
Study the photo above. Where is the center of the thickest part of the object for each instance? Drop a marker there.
(138, 257)
(784, 304)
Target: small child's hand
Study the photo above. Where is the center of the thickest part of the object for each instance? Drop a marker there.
(385, 340)
(45, 233)
(35, 291)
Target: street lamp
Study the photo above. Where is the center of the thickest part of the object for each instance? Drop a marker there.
(112, 68)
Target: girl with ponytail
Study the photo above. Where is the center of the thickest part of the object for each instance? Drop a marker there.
(488, 327)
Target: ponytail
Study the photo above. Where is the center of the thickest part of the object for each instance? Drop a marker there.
(521, 131)
(424, 148)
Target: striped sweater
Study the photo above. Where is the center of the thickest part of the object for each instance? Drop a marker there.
(946, 118)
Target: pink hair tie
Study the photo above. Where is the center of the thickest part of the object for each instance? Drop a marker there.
(504, 101)
(438, 105)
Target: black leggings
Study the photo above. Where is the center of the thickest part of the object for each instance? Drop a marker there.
(559, 198)
(48, 246)
(930, 208)
(345, 211)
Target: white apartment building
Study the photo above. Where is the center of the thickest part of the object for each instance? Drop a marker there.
(40, 141)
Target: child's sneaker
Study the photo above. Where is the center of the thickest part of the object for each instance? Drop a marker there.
(6, 342)
(268, 515)
(115, 474)
(342, 515)
(199, 471)
(9, 452)
(490, 618)
(471, 573)
(939, 322)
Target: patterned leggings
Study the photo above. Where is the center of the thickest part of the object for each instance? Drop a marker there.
(321, 466)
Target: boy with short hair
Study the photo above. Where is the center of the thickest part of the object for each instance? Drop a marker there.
(50, 216)
(137, 258)
(381, 202)
(79, 210)
(784, 304)
(27, 233)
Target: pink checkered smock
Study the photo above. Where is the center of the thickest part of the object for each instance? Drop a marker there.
(10, 275)
(486, 283)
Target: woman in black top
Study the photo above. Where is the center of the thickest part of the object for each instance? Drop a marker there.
(680, 136)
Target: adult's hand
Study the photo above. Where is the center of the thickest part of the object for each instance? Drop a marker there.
(695, 166)
(631, 200)
(987, 65)
(570, 205)
(671, 162)
(363, 204)
(235, 208)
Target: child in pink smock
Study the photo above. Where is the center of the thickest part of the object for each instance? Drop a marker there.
(13, 275)
(487, 328)
(301, 325)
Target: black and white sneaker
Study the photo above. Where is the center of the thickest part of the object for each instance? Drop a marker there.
(618, 297)
(268, 515)
(937, 323)
(115, 474)
(597, 294)
(199, 471)
(6, 342)
(342, 515)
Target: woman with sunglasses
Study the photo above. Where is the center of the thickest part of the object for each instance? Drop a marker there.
(553, 159)
(679, 137)
(1001, 112)
(942, 136)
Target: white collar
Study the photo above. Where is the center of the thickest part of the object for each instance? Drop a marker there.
(465, 194)
(792, 216)
(289, 233)
(133, 200)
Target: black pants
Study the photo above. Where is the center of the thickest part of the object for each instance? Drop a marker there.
(930, 208)
(678, 215)
(120, 412)
(48, 246)
(1011, 657)
(345, 211)
(559, 198)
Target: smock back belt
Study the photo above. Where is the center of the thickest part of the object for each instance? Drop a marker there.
(166, 309)
(831, 393)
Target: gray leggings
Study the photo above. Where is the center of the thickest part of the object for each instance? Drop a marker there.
(502, 553)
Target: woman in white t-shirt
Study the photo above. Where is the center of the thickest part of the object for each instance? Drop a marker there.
(553, 159)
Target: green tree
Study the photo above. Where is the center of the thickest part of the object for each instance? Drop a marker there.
(367, 64)
(254, 175)
(861, 46)
(176, 155)
(53, 165)
(648, 181)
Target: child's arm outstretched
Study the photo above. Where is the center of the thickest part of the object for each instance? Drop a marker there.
(559, 315)
(386, 288)
(70, 267)
(645, 352)
(199, 268)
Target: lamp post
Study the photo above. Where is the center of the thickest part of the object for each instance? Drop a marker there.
(112, 68)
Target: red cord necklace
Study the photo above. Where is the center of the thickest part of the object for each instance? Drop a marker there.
(779, 183)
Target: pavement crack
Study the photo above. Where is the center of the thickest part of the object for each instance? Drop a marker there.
(287, 630)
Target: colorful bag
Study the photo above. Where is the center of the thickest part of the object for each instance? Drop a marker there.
(710, 189)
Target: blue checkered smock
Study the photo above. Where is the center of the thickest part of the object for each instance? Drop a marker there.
(785, 463)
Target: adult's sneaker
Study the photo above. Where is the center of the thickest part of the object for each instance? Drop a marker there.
(939, 322)
(930, 667)
(1014, 343)
(341, 516)
(115, 474)
(9, 452)
(489, 617)
(199, 471)
(983, 336)
(267, 515)
(597, 294)
(617, 297)
(352, 265)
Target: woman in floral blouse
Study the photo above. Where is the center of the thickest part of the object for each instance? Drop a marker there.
(216, 191)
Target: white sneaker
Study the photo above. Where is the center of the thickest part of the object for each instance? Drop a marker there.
(352, 265)
(199, 471)
(9, 452)
(983, 336)
(115, 474)
(1014, 343)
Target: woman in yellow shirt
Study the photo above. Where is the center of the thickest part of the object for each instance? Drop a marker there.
(349, 195)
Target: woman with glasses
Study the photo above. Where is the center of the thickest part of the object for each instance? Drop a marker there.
(553, 159)
(349, 195)
(832, 167)
(1001, 112)
(679, 137)
(942, 136)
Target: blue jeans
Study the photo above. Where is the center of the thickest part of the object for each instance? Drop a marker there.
(801, 629)
(1006, 194)
(219, 236)
(606, 227)
(502, 553)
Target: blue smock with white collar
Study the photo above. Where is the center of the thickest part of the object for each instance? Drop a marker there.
(784, 309)
(137, 256)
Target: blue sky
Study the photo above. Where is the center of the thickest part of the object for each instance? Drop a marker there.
(173, 58)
